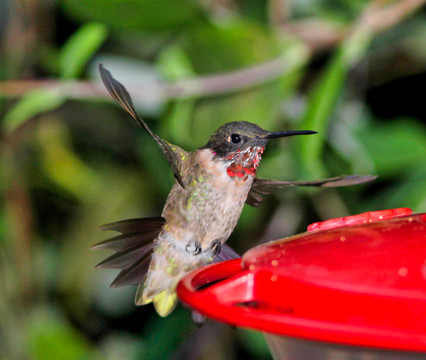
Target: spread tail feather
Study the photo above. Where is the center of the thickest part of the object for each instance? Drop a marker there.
(167, 268)
(134, 248)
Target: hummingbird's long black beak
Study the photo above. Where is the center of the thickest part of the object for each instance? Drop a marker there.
(278, 134)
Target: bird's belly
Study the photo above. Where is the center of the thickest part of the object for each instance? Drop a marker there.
(207, 212)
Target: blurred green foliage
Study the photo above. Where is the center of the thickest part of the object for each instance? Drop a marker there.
(31, 104)
(71, 161)
(79, 49)
(160, 15)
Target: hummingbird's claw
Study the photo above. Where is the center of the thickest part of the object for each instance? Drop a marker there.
(194, 247)
(215, 247)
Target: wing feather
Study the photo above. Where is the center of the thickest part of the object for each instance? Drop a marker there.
(262, 187)
(173, 154)
(135, 225)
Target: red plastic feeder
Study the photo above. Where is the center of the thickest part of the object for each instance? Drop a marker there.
(349, 288)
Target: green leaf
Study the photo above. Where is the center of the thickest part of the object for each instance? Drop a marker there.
(62, 165)
(136, 14)
(212, 48)
(412, 192)
(79, 49)
(408, 190)
(394, 146)
(323, 99)
(30, 105)
(174, 65)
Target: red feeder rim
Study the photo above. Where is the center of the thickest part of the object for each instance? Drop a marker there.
(360, 282)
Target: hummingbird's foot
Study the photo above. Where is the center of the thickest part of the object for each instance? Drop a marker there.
(215, 247)
(193, 247)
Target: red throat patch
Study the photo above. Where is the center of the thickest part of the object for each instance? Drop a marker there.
(242, 165)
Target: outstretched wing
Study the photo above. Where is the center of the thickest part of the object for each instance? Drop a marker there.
(263, 187)
(117, 90)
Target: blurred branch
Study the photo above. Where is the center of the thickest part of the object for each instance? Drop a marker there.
(279, 11)
(316, 34)
(162, 91)
(228, 82)
(378, 17)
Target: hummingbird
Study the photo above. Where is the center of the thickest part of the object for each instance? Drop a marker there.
(211, 186)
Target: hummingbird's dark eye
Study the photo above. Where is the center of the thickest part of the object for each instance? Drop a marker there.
(235, 138)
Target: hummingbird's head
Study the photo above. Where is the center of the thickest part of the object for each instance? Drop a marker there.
(240, 145)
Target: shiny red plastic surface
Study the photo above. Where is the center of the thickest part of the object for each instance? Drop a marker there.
(361, 285)
(364, 218)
